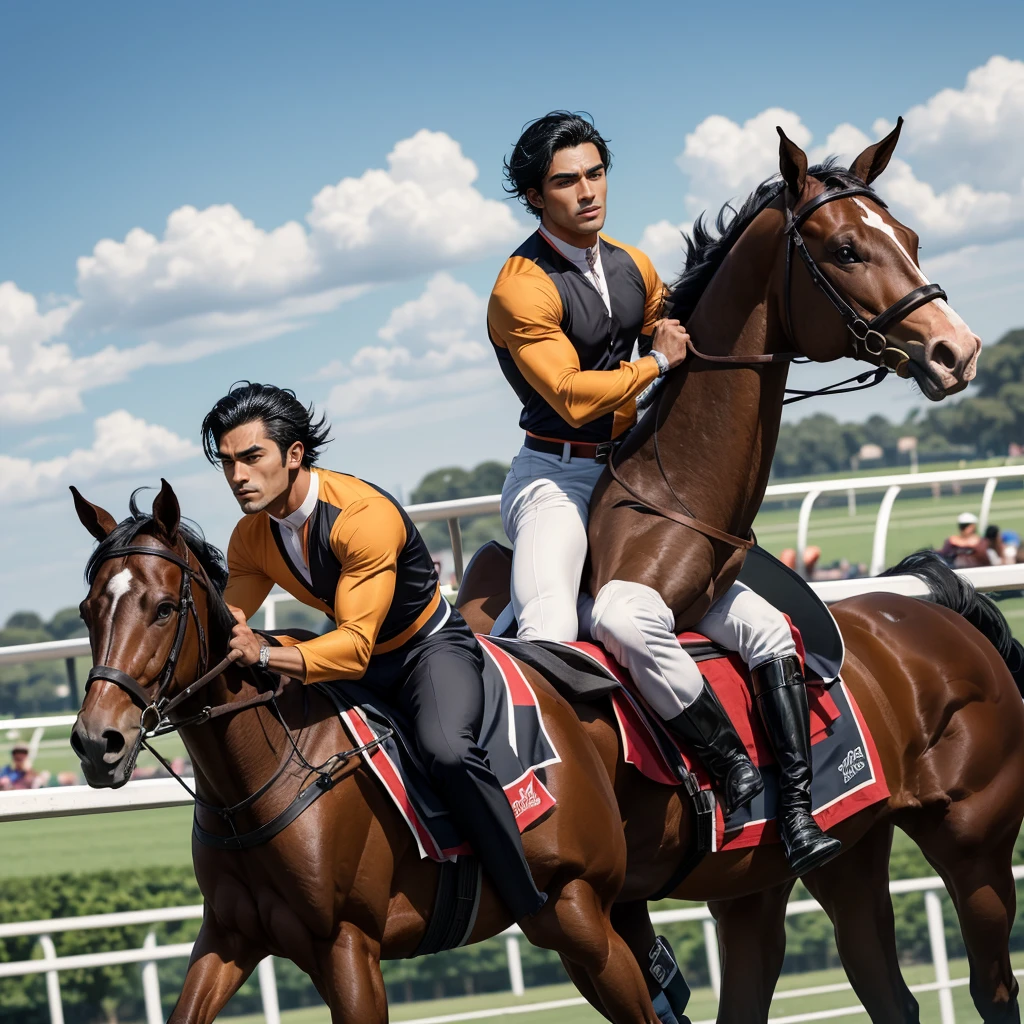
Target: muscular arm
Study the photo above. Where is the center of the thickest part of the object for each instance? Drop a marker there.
(525, 315)
(248, 585)
(367, 539)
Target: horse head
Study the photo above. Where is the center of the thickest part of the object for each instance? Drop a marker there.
(147, 610)
(862, 262)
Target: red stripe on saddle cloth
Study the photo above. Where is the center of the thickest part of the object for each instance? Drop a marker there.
(528, 797)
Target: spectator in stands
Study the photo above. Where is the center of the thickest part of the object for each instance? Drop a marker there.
(966, 549)
(994, 546)
(19, 774)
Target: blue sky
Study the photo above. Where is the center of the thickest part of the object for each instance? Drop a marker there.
(367, 299)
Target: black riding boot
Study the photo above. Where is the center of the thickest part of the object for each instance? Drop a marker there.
(705, 728)
(782, 701)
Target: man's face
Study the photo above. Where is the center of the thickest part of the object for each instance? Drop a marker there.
(19, 759)
(254, 468)
(574, 191)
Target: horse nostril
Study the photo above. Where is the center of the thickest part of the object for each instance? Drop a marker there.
(945, 355)
(114, 741)
(77, 746)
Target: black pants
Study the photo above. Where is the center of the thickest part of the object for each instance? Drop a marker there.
(437, 681)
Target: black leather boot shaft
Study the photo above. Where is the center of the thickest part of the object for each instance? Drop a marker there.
(782, 702)
(705, 728)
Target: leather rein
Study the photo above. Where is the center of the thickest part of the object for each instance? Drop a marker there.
(869, 343)
(155, 717)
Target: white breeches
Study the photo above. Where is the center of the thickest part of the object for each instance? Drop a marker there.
(544, 509)
(637, 628)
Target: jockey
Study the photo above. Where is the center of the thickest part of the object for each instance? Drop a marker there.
(349, 550)
(564, 315)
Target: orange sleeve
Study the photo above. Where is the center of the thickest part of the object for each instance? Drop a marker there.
(524, 315)
(248, 585)
(367, 538)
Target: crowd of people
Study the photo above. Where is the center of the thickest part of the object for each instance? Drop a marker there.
(19, 773)
(967, 548)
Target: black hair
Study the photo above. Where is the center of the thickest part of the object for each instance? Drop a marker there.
(705, 250)
(531, 158)
(285, 418)
(210, 557)
(992, 533)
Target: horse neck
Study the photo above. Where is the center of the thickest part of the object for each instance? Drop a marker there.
(234, 754)
(721, 423)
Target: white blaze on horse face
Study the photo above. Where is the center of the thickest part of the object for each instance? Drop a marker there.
(117, 587)
(873, 219)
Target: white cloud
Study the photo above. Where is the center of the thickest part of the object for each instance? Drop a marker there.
(215, 279)
(428, 364)
(122, 444)
(957, 177)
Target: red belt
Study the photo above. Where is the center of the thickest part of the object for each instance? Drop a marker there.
(577, 449)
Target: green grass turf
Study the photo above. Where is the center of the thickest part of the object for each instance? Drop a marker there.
(702, 1005)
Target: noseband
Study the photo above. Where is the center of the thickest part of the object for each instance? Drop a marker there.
(869, 336)
(156, 708)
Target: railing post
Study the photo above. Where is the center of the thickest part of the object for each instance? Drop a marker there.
(52, 982)
(937, 939)
(268, 991)
(270, 614)
(455, 532)
(851, 502)
(714, 961)
(802, 526)
(882, 530)
(986, 503)
(151, 985)
(515, 965)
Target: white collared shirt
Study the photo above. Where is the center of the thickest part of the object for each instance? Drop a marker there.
(578, 257)
(291, 526)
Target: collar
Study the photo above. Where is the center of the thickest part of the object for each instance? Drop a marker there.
(297, 519)
(572, 252)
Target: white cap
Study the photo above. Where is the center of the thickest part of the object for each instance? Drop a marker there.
(966, 519)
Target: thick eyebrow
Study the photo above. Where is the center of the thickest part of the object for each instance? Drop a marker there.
(251, 450)
(571, 176)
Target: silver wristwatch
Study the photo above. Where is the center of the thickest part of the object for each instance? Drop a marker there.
(264, 655)
(662, 360)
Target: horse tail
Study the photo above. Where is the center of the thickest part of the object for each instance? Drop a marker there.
(952, 591)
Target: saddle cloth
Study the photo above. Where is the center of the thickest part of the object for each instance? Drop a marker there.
(513, 734)
(847, 771)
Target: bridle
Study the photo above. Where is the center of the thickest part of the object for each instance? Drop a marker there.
(158, 707)
(869, 336)
(869, 343)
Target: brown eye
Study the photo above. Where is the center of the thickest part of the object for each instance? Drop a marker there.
(846, 255)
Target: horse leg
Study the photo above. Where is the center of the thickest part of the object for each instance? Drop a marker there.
(752, 938)
(854, 891)
(220, 963)
(980, 881)
(577, 927)
(351, 972)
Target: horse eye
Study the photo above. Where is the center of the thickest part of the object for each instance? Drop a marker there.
(845, 254)
(164, 610)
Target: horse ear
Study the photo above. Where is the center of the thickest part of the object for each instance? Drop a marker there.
(98, 521)
(166, 511)
(792, 164)
(870, 164)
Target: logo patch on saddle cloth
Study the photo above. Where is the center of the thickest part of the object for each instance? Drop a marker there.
(512, 732)
(847, 775)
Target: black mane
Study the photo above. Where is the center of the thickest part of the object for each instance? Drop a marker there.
(210, 557)
(706, 249)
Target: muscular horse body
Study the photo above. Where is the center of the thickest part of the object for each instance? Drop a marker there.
(343, 886)
(941, 703)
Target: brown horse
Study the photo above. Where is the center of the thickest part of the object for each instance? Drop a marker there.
(343, 885)
(930, 678)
